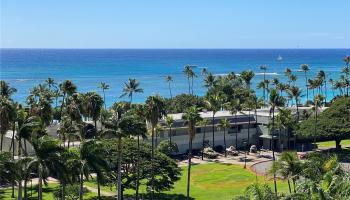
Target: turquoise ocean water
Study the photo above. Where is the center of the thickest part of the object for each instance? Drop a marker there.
(24, 68)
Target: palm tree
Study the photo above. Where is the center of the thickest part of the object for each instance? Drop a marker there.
(204, 71)
(264, 68)
(113, 126)
(305, 69)
(203, 124)
(346, 71)
(104, 87)
(169, 79)
(67, 88)
(295, 92)
(169, 121)
(188, 71)
(286, 121)
(94, 106)
(191, 118)
(235, 107)
(214, 103)
(249, 105)
(129, 125)
(318, 99)
(47, 154)
(275, 101)
(275, 81)
(131, 87)
(155, 110)
(210, 80)
(289, 166)
(247, 76)
(6, 90)
(262, 85)
(322, 77)
(7, 116)
(51, 83)
(91, 157)
(135, 126)
(224, 125)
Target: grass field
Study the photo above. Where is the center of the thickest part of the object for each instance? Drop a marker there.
(208, 182)
(331, 144)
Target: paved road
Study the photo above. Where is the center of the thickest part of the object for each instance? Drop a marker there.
(264, 167)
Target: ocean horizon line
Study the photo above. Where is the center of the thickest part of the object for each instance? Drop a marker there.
(257, 48)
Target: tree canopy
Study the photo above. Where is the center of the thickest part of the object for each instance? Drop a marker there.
(333, 123)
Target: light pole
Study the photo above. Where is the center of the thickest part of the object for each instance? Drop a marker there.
(273, 158)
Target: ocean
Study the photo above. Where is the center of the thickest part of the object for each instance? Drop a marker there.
(25, 68)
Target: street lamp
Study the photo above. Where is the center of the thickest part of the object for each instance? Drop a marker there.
(273, 158)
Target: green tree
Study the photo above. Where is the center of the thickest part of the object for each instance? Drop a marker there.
(247, 77)
(104, 86)
(204, 124)
(6, 90)
(191, 118)
(210, 80)
(131, 87)
(169, 80)
(68, 88)
(94, 104)
(289, 167)
(333, 123)
(7, 116)
(155, 110)
(224, 125)
(214, 103)
(305, 68)
(294, 92)
(169, 121)
(47, 155)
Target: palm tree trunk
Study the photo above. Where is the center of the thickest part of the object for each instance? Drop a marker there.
(81, 192)
(98, 186)
(307, 88)
(138, 168)
(213, 121)
(152, 165)
(104, 98)
(203, 141)
(236, 146)
(63, 195)
(2, 139)
(293, 179)
(19, 190)
(189, 85)
(95, 122)
(171, 95)
(40, 188)
(192, 85)
(248, 128)
(25, 187)
(225, 142)
(189, 168)
(120, 168)
(296, 104)
(290, 190)
(273, 149)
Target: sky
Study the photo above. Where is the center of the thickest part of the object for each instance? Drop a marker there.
(175, 24)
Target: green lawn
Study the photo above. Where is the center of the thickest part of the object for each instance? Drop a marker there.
(208, 182)
(47, 193)
(331, 144)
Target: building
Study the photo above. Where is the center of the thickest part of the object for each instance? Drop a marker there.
(244, 124)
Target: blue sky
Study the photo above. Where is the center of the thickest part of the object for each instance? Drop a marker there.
(175, 24)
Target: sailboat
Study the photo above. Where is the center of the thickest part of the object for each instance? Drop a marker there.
(279, 58)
